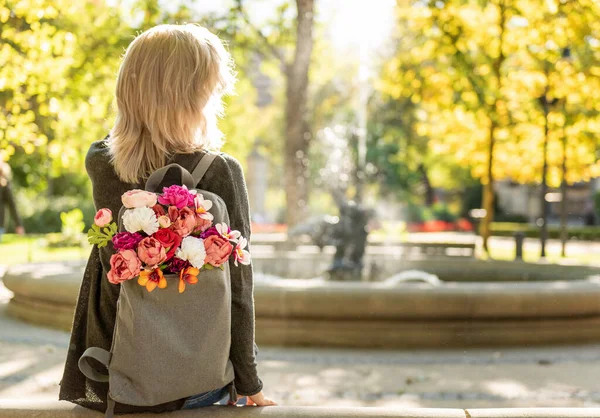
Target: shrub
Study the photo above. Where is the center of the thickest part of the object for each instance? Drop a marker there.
(441, 212)
(45, 213)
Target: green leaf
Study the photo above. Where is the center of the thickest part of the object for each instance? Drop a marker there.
(208, 267)
(99, 236)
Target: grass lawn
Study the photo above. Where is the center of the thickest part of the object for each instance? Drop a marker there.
(15, 249)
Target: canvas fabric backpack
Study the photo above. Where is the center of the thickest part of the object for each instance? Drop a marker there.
(169, 345)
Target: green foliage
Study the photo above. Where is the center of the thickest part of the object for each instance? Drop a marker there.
(211, 267)
(102, 236)
(72, 227)
(72, 223)
(442, 212)
(42, 214)
(417, 213)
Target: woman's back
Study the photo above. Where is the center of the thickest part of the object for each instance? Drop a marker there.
(168, 96)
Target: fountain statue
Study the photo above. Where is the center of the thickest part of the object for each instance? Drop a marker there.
(350, 238)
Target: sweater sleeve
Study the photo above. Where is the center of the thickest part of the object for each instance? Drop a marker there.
(243, 349)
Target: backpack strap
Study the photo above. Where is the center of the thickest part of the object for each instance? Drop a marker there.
(157, 177)
(202, 167)
(103, 357)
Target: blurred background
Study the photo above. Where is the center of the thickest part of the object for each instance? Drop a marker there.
(453, 139)
(442, 116)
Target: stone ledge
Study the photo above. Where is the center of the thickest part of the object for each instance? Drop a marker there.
(10, 408)
(52, 409)
(58, 284)
(295, 312)
(534, 413)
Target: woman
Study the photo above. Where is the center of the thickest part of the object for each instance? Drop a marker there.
(7, 200)
(168, 98)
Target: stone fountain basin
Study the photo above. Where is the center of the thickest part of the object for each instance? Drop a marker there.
(314, 312)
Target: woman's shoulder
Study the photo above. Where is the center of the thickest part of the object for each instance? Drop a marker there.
(230, 163)
(98, 159)
(98, 152)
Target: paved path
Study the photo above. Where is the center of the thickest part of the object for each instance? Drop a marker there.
(31, 362)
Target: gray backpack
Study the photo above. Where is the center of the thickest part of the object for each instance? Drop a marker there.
(169, 345)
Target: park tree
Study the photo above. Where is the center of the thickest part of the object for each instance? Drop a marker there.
(554, 112)
(400, 150)
(55, 83)
(455, 70)
(293, 55)
(477, 83)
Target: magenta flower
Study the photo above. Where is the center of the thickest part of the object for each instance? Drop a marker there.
(126, 240)
(178, 196)
(222, 230)
(210, 231)
(177, 264)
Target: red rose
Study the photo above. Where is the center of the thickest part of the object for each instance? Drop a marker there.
(168, 239)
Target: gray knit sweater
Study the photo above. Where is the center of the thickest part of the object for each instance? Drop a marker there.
(94, 319)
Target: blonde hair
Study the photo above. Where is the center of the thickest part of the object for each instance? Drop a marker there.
(168, 98)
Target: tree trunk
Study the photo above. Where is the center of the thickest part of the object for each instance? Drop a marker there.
(488, 187)
(296, 129)
(488, 190)
(564, 233)
(429, 191)
(544, 191)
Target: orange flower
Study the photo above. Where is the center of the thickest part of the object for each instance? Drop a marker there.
(151, 279)
(189, 275)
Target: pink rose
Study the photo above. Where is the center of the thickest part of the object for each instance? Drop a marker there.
(138, 199)
(103, 217)
(186, 223)
(173, 213)
(218, 250)
(202, 224)
(124, 265)
(159, 210)
(151, 252)
(178, 196)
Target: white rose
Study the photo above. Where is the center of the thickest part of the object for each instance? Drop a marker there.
(192, 249)
(140, 219)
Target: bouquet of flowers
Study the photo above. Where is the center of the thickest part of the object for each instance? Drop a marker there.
(171, 232)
